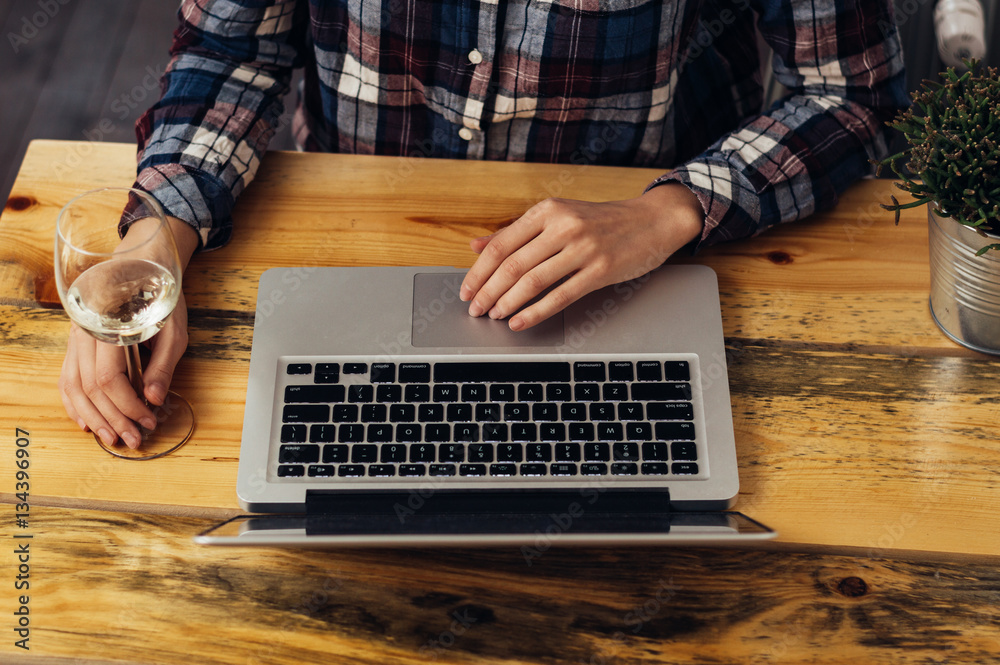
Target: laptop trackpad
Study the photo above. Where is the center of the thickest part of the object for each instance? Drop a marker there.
(441, 319)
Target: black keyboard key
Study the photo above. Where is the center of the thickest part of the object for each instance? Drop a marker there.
(363, 393)
(452, 452)
(669, 411)
(335, 454)
(480, 452)
(408, 433)
(459, 413)
(503, 469)
(602, 411)
(523, 432)
(683, 450)
(414, 373)
(588, 371)
(515, 412)
(327, 373)
(298, 454)
(488, 413)
(538, 452)
(345, 413)
(581, 431)
(620, 371)
(313, 394)
(422, 452)
(293, 433)
(558, 392)
(409, 470)
(639, 432)
(615, 392)
(625, 451)
(684, 468)
(355, 368)
(676, 370)
(389, 392)
(530, 392)
(596, 452)
(624, 469)
(402, 413)
(675, 431)
(630, 411)
(533, 469)
(291, 471)
(437, 433)
(648, 370)
(661, 392)
(323, 434)
(586, 392)
(474, 392)
(655, 468)
(567, 452)
(552, 432)
(351, 470)
(594, 469)
(383, 373)
(562, 469)
(446, 393)
(509, 452)
(495, 432)
(655, 451)
(379, 433)
(472, 469)
(364, 453)
(306, 413)
(322, 470)
(574, 411)
(374, 413)
(544, 411)
(467, 432)
(502, 392)
(299, 368)
(417, 392)
(609, 432)
(500, 372)
(393, 453)
(351, 433)
(430, 413)
(382, 470)
(441, 470)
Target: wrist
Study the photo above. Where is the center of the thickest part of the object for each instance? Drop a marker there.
(676, 210)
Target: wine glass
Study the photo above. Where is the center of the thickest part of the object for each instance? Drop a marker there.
(121, 292)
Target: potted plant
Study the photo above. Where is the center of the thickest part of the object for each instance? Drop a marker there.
(953, 132)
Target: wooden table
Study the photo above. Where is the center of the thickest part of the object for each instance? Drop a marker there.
(865, 436)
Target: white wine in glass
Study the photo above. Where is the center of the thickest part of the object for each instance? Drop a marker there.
(121, 292)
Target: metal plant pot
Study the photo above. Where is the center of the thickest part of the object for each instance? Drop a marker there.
(965, 288)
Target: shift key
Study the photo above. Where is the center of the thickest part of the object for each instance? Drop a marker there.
(306, 413)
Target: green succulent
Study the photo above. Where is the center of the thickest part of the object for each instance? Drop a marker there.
(954, 149)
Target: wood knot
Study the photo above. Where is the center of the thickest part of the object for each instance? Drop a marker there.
(19, 203)
(852, 587)
(779, 258)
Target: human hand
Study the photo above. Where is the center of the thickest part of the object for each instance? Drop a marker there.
(591, 245)
(93, 384)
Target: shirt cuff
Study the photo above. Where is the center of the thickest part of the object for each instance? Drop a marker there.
(192, 196)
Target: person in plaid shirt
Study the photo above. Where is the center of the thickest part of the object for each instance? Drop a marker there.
(673, 84)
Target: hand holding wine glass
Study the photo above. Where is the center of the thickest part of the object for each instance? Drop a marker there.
(122, 293)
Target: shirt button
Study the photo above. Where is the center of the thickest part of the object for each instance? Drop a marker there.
(465, 133)
(475, 57)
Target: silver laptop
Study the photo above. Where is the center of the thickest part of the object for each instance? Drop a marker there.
(380, 413)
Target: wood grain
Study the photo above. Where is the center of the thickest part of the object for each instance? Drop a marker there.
(105, 582)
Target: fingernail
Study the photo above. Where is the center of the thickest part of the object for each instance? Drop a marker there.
(475, 309)
(131, 440)
(148, 423)
(465, 293)
(516, 323)
(82, 424)
(495, 314)
(107, 437)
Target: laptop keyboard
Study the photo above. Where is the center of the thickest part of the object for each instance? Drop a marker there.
(466, 418)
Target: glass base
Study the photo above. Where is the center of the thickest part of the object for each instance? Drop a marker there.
(175, 424)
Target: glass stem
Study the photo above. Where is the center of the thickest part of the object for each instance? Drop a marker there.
(134, 367)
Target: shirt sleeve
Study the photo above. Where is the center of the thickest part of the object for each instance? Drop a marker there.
(841, 62)
(221, 102)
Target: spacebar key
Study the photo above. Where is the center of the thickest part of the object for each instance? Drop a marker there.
(486, 372)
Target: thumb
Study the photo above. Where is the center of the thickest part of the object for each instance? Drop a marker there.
(168, 347)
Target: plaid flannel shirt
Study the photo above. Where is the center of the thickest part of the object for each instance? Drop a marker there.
(669, 84)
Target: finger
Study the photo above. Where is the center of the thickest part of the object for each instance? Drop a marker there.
(80, 353)
(554, 301)
(114, 381)
(100, 371)
(522, 266)
(478, 244)
(168, 347)
(531, 283)
(67, 375)
(502, 244)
